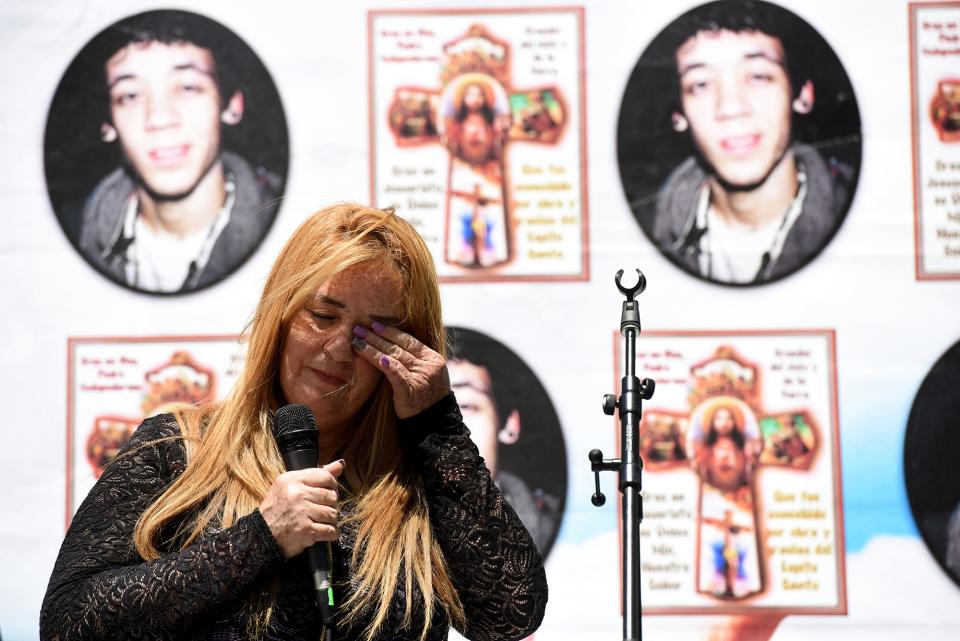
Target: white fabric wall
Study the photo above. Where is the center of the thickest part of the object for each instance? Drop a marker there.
(889, 327)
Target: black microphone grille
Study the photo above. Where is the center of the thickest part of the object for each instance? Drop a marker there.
(293, 418)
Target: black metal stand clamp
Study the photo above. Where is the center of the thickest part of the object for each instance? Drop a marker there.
(629, 465)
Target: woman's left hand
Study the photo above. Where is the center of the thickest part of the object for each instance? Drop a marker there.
(417, 374)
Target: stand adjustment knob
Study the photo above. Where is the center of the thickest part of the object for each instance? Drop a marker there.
(610, 403)
(596, 461)
(647, 386)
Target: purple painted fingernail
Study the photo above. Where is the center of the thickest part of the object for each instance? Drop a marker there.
(385, 361)
(377, 326)
(360, 331)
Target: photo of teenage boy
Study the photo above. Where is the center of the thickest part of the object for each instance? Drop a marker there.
(179, 208)
(931, 454)
(761, 134)
(514, 426)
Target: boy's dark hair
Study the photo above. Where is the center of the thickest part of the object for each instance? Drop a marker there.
(169, 27)
(508, 381)
(739, 16)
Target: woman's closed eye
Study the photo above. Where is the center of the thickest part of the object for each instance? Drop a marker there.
(322, 317)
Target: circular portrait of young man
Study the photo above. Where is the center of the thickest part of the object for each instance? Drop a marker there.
(739, 142)
(932, 461)
(166, 152)
(514, 426)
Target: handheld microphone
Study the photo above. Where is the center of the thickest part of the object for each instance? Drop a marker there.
(295, 430)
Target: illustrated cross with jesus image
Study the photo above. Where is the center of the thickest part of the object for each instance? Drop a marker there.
(724, 439)
(475, 114)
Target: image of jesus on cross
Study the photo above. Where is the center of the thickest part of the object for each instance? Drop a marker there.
(725, 452)
(728, 436)
(475, 114)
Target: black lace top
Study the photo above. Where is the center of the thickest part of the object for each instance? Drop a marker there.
(102, 589)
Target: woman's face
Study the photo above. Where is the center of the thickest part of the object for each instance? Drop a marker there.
(318, 367)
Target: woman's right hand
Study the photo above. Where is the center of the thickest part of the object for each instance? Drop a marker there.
(301, 507)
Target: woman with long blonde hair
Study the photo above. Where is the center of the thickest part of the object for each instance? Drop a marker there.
(190, 532)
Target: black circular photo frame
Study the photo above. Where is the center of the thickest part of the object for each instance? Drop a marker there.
(161, 113)
(666, 154)
(531, 468)
(931, 461)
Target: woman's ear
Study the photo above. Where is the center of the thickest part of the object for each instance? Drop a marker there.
(510, 431)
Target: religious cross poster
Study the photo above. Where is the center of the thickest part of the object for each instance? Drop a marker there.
(742, 507)
(935, 89)
(477, 137)
(115, 383)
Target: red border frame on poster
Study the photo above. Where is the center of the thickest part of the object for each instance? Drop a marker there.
(72, 342)
(752, 610)
(585, 205)
(915, 142)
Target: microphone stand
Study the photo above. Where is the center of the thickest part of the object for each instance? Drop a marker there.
(629, 465)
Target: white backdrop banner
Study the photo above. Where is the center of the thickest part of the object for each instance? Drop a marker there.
(784, 174)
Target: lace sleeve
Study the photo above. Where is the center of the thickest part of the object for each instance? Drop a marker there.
(494, 563)
(102, 589)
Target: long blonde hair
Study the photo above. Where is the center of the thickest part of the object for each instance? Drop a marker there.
(233, 458)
